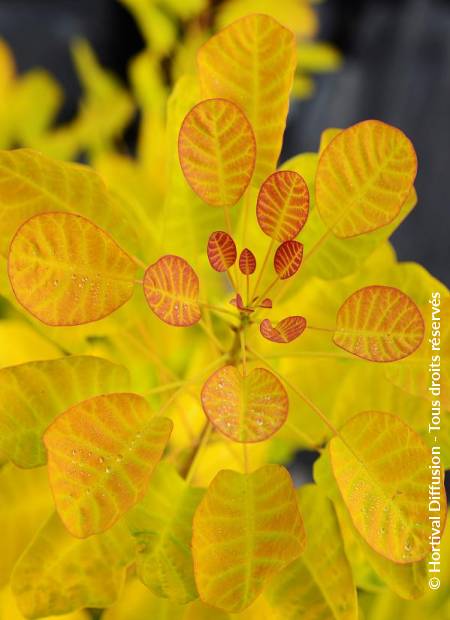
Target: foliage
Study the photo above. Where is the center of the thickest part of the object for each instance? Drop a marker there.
(174, 344)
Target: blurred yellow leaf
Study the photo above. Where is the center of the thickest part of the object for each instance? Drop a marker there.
(9, 610)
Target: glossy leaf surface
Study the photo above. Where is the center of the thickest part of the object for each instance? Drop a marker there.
(246, 529)
(245, 408)
(381, 468)
(286, 330)
(33, 394)
(380, 324)
(171, 288)
(217, 151)
(288, 258)
(66, 271)
(101, 454)
(221, 251)
(247, 262)
(162, 526)
(283, 204)
(364, 176)
(252, 62)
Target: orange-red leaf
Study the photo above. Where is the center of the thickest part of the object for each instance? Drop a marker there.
(247, 262)
(217, 151)
(221, 251)
(101, 454)
(66, 271)
(364, 176)
(252, 63)
(285, 331)
(238, 303)
(283, 204)
(266, 303)
(288, 258)
(380, 324)
(171, 289)
(245, 408)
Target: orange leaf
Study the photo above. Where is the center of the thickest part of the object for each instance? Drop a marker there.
(246, 409)
(171, 289)
(288, 258)
(246, 529)
(101, 454)
(380, 324)
(238, 303)
(364, 177)
(221, 251)
(217, 150)
(247, 262)
(266, 303)
(285, 331)
(252, 63)
(66, 271)
(283, 204)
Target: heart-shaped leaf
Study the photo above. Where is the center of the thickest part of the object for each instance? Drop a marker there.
(58, 574)
(171, 289)
(283, 204)
(217, 151)
(286, 330)
(34, 394)
(252, 63)
(380, 324)
(66, 271)
(246, 529)
(221, 251)
(382, 470)
(364, 176)
(288, 258)
(245, 408)
(247, 262)
(162, 525)
(101, 454)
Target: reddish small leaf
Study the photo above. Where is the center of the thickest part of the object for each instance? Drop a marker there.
(247, 262)
(221, 251)
(171, 289)
(288, 258)
(266, 303)
(246, 409)
(217, 151)
(283, 205)
(285, 331)
(239, 304)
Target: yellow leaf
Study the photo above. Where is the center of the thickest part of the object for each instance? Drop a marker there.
(246, 529)
(33, 183)
(185, 9)
(101, 454)
(381, 468)
(162, 526)
(66, 271)
(156, 26)
(34, 394)
(217, 151)
(317, 57)
(320, 583)
(58, 574)
(252, 63)
(26, 502)
(9, 610)
(364, 177)
(380, 324)
(138, 603)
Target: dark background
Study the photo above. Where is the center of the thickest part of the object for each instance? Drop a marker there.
(396, 69)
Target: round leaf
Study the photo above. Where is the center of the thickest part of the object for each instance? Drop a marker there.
(364, 177)
(216, 147)
(283, 204)
(171, 289)
(382, 469)
(66, 271)
(221, 251)
(246, 409)
(286, 330)
(288, 258)
(247, 262)
(101, 455)
(380, 324)
(246, 529)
